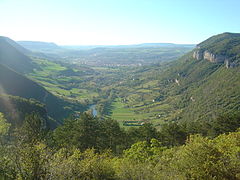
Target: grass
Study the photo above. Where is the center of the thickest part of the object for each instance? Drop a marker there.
(48, 76)
(122, 113)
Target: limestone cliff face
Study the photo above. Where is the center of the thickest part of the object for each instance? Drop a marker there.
(214, 57)
(200, 54)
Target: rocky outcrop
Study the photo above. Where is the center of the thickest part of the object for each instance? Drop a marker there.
(177, 81)
(230, 64)
(214, 57)
(200, 54)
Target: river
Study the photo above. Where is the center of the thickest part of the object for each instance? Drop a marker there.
(93, 109)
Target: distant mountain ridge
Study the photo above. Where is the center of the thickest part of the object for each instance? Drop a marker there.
(108, 55)
(75, 47)
(164, 45)
(39, 46)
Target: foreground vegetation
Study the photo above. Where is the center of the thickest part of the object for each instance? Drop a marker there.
(89, 148)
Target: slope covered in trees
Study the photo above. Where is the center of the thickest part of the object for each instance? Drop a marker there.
(223, 44)
(16, 108)
(15, 84)
(89, 148)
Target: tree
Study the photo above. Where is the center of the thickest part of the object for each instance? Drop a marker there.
(111, 136)
(5, 170)
(4, 126)
(81, 133)
(203, 158)
(32, 129)
(142, 133)
(31, 161)
(225, 123)
(74, 164)
(26, 156)
(143, 151)
(138, 162)
(172, 134)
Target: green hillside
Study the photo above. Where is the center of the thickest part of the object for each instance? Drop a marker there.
(205, 89)
(16, 108)
(18, 85)
(12, 57)
(225, 44)
(13, 65)
(186, 89)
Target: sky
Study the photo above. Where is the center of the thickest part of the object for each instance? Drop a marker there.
(116, 22)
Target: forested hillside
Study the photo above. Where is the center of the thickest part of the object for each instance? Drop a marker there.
(226, 44)
(17, 108)
(90, 148)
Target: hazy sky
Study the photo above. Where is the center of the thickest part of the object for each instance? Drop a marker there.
(88, 22)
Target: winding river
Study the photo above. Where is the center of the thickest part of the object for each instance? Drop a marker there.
(93, 109)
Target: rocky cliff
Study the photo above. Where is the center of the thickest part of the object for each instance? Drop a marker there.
(200, 54)
(223, 48)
